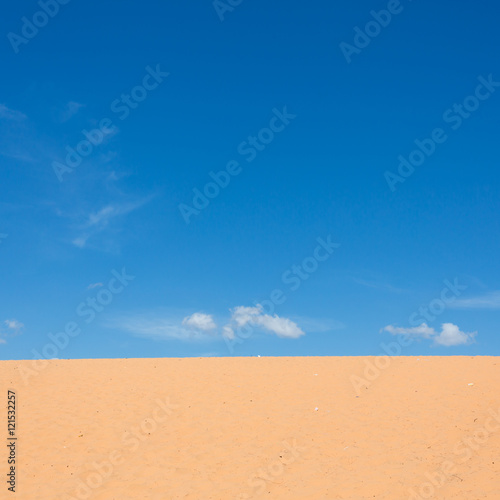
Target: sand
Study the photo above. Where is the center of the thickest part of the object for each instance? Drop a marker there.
(240, 428)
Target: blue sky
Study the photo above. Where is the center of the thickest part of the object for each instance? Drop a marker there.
(358, 178)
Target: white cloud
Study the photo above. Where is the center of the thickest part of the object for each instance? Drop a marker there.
(199, 321)
(282, 327)
(450, 334)
(11, 114)
(243, 315)
(490, 300)
(160, 325)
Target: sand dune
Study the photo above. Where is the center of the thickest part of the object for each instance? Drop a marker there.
(240, 428)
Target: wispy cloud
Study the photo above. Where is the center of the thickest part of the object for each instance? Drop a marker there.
(386, 287)
(318, 325)
(26, 158)
(94, 285)
(450, 334)
(80, 241)
(22, 141)
(11, 114)
(96, 222)
(104, 216)
(155, 326)
(114, 175)
(422, 331)
(70, 110)
(12, 327)
(489, 300)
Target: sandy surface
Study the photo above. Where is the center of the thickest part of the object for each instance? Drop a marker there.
(238, 428)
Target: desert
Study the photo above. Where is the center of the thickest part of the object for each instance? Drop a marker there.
(249, 427)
